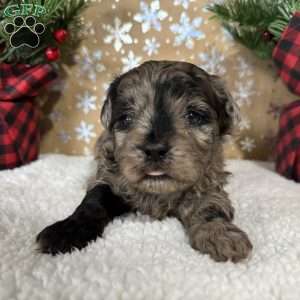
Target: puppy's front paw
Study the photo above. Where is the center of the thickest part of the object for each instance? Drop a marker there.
(64, 236)
(223, 241)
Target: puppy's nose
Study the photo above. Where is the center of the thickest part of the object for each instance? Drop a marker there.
(155, 152)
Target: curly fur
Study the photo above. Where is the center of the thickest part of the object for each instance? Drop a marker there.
(161, 154)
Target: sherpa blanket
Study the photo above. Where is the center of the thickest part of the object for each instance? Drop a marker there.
(141, 258)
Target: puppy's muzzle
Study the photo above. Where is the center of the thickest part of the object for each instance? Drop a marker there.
(155, 152)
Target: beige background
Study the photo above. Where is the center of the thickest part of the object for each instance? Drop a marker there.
(73, 105)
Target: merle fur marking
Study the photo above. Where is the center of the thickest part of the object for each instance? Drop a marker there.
(160, 154)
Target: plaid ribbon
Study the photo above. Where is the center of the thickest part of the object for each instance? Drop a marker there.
(288, 142)
(286, 55)
(19, 115)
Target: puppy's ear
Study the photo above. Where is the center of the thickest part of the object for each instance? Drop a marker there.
(106, 112)
(228, 111)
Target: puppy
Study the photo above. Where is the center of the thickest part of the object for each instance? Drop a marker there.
(160, 154)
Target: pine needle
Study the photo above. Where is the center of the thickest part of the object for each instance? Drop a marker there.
(60, 14)
(248, 20)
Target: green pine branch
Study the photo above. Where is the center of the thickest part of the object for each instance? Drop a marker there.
(71, 10)
(247, 20)
(60, 14)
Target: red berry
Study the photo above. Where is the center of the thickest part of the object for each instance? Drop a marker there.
(52, 53)
(267, 36)
(60, 35)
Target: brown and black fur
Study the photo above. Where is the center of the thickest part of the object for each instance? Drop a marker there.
(160, 154)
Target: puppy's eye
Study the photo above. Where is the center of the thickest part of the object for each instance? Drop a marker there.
(197, 118)
(123, 122)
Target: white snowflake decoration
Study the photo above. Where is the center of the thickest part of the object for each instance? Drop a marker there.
(85, 132)
(247, 144)
(184, 3)
(150, 16)
(186, 31)
(243, 92)
(130, 61)
(244, 69)
(119, 34)
(212, 62)
(55, 116)
(88, 29)
(64, 137)
(244, 86)
(89, 63)
(151, 46)
(86, 102)
(244, 123)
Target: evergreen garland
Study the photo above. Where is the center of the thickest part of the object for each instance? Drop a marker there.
(60, 14)
(257, 24)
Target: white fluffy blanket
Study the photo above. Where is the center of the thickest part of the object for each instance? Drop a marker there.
(140, 258)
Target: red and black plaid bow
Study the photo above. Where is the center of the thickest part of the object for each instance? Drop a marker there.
(288, 143)
(19, 115)
(286, 55)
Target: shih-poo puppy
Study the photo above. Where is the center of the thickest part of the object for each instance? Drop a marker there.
(160, 154)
